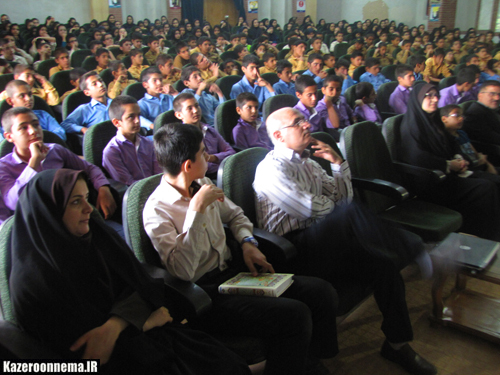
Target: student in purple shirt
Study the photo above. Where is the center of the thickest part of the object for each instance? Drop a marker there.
(399, 97)
(250, 130)
(366, 110)
(31, 156)
(188, 111)
(128, 157)
(459, 92)
(332, 87)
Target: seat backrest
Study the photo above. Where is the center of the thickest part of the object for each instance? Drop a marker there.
(276, 102)
(107, 76)
(383, 94)
(358, 72)
(45, 66)
(90, 63)
(95, 140)
(389, 72)
(391, 132)
(135, 90)
(115, 51)
(72, 102)
(364, 147)
(329, 140)
(465, 105)
(272, 78)
(133, 225)
(127, 61)
(179, 85)
(165, 118)
(229, 55)
(350, 96)
(226, 119)
(6, 309)
(235, 176)
(283, 53)
(77, 57)
(61, 82)
(226, 84)
(447, 82)
(340, 50)
(49, 137)
(4, 79)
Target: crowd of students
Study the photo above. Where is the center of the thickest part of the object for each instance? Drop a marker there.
(305, 59)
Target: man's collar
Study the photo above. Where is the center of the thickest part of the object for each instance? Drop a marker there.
(290, 154)
(94, 102)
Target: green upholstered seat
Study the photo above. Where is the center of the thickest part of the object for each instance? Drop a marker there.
(226, 119)
(4, 79)
(165, 118)
(45, 66)
(447, 82)
(61, 82)
(358, 72)
(78, 57)
(350, 96)
(135, 90)
(382, 101)
(226, 84)
(389, 72)
(72, 102)
(7, 147)
(6, 308)
(272, 78)
(340, 50)
(276, 102)
(95, 140)
(90, 63)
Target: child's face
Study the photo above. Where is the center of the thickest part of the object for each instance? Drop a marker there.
(299, 50)
(121, 72)
(330, 62)
(483, 53)
(454, 120)
(199, 165)
(44, 49)
(375, 69)
(407, 81)
(194, 81)
(316, 45)
(205, 47)
(371, 98)
(130, 123)
(474, 61)
(249, 112)
(270, 63)
(184, 53)
(438, 60)
(190, 112)
(228, 68)
(383, 50)
(25, 130)
(332, 90)
(396, 41)
(103, 60)
(407, 46)
(63, 60)
(308, 97)
(341, 71)
(425, 39)
(154, 84)
(251, 72)
(315, 66)
(243, 40)
(137, 43)
(96, 88)
(154, 45)
(429, 49)
(27, 76)
(235, 41)
(357, 61)
(243, 53)
(220, 40)
(137, 59)
(340, 37)
(286, 75)
(260, 51)
(22, 97)
(449, 57)
(440, 43)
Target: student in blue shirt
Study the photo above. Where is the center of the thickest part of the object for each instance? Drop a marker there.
(191, 77)
(315, 66)
(285, 84)
(372, 74)
(490, 71)
(341, 70)
(417, 62)
(156, 100)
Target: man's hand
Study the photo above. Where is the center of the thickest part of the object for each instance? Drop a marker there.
(38, 153)
(158, 318)
(323, 74)
(100, 342)
(106, 202)
(324, 151)
(215, 69)
(207, 195)
(252, 256)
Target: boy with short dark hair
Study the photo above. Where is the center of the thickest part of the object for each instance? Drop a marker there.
(381, 54)
(102, 58)
(169, 73)
(358, 46)
(156, 100)
(315, 66)
(61, 57)
(405, 52)
(373, 74)
(136, 68)
(460, 92)
(182, 57)
(297, 59)
(129, 156)
(44, 52)
(357, 58)
(339, 39)
(399, 97)
(250, 130)
(125, 47)
(417, 62)
(332, 88)
(306, 91)
(366, 110)
(394, 40)
(137, 41)
(74, 79)
(154, 50)
(435, 68)
(94, 46)
(285, 84)
(341, 68)
(195, 85)
(328, 61)
(269, 60)
(121, 81)
(188, 111)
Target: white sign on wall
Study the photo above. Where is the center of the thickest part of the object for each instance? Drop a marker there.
(301, 6)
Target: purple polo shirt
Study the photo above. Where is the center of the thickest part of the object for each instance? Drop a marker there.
(343, 111)
(215, 145)
(15, 173)
(399, 99)
(246, 135)
(127, 162)
(317, 122)
(450, 95)
(367, 112)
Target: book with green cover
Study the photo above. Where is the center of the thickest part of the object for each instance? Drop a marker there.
(265, 284)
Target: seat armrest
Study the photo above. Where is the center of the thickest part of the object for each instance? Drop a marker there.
(16, 344)
(186, 296)
(383, 187)
(432, 175)
(278, 249)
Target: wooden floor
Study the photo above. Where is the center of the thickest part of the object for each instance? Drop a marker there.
(451, 351)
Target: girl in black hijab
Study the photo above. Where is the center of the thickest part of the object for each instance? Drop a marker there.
(426, 143)
(78, 288)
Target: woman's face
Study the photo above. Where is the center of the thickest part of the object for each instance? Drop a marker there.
(175, 23)
(189, 27)
(197, 23)
(61, 30)
(130, 20)
(146, 23)
(112, 19)
(43, 31)
(177, 34)
(255, 23)
(77, 213)
(430, 102)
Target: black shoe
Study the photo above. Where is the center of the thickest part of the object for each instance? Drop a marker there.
(408, 359)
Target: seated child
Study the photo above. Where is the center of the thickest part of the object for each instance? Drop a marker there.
(31, 156)
(459, 92)
(102, 58)
(241, 51)
(394, 40)
(449, 61)
(259, 51)
(381, 54)
(417, 62)
(452, 117)
(129, 156)
(169, 73)
(234, 41)
(435, 69)
(230, 67)
(44, 52)
(456, 47)
(428, 50)
(5, 67)
(339, 39)
(182, 57)
(373, 74)
(314, 68)
(358, 46)
(125, 47)
(121, 80)
(210, 72)
(315, 44)
(195, 85)
(38, 83)
(154, 50)
(491, 71)
(61, 56)
(136, 39)
(399, 97)
(341, 68)
(356, 61)
(94, 46)
(136, 68)
(188, 111)
(74, 79)
(250, 130)
(306, 91)
(328, 61)
(156, 100)
(484, 56)
(269, 60)
(332, 87)
(20, 95)
(402, 56)
(72, 44)
(366, 110)
(297, 58)
(285, 84)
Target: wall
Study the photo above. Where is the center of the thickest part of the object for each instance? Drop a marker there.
(18, 10)
(154, 9)
(467, 11)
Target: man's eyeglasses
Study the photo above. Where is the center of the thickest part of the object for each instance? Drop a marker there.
(296, 124)
(491, 93)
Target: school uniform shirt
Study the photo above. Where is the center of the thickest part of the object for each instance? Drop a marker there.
(115, 88)
(99, 69)
(208, 104)
(136, 70)
(343, 111)
(264, 70)
(317, 79)
(348, 82)
(208, 76)
(317, 122)
(376, 81)
(151, 57)
(68, 93)
(247, 135)
(384, 60)
(298, 63)
(86, 115)
(435, 71)
(402, 56)
(262, 93)
(47, 122)
(151, 106)
(450, 95)
(215, 145)
(486, 77)
(367, 112)
(281, 87)
(129, 162)
(399, 99)
(179, 62)
(54, 70)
